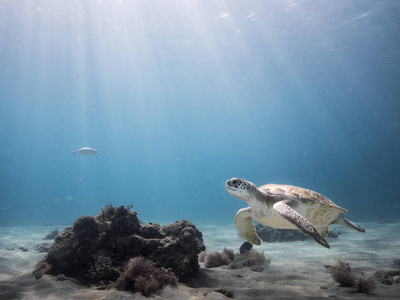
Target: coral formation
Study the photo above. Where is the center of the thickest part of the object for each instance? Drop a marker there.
(96, 248)
(102, 267)
(140, 276)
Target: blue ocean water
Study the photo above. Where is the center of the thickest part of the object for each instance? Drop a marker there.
(179, 96)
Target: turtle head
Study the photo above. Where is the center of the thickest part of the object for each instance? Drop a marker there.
(240, 188)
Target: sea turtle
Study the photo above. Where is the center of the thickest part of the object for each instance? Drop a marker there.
(286, 207)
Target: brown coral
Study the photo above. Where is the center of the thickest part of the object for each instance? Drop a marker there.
(140, 276)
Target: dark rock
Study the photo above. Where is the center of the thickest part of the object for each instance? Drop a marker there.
(43, 247)
(268, 234)
(52, 235)
(96, 249)
(23, 249)
(151, 231)
(396, 263)
(246, 246)
(41, 268)
(86, 227)
(386, 276)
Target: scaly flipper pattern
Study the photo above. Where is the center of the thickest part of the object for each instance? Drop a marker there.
(300, 222)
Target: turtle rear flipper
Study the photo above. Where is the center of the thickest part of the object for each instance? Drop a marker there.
(300, 222)
(348, 224)
(244, 223)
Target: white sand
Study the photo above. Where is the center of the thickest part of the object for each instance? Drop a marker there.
(297, 270)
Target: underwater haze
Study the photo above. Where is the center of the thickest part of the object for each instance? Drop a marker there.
(180, 96)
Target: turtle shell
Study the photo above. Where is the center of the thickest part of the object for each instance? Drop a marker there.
(282, 192)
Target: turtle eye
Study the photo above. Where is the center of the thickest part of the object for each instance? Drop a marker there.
(234, 182)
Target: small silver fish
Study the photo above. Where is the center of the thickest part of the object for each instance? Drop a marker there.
(79, 178)
(86, 151)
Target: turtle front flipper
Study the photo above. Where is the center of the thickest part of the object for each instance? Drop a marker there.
(300, 222)
(245, 225)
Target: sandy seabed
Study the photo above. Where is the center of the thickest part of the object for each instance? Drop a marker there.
(297, 271)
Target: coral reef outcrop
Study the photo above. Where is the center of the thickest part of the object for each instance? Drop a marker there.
(96, 249)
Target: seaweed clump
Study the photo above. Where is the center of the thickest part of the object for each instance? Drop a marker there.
(141, 276)
(342, 273)
(216, 259)
(365, 285)
(248, 258)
